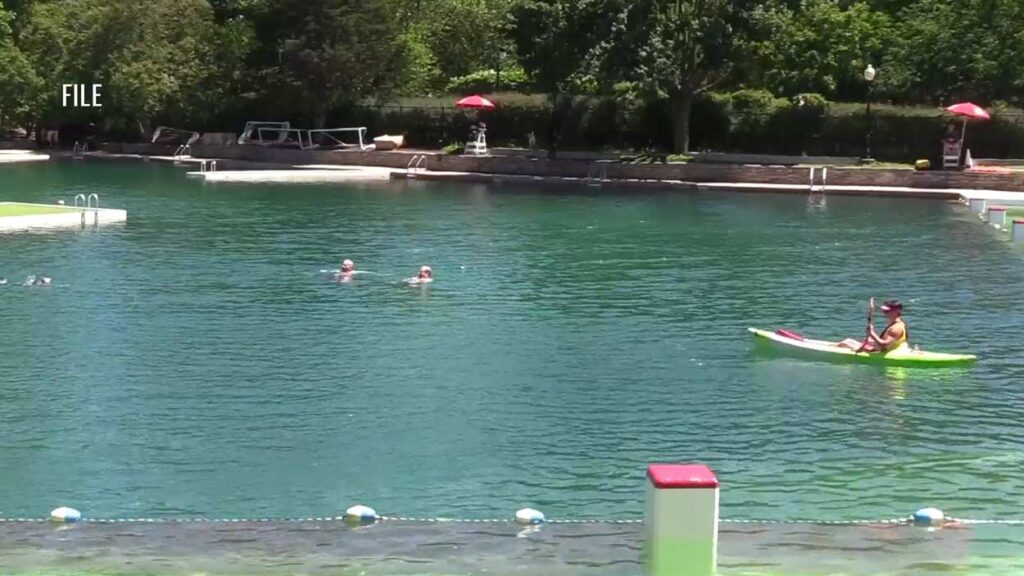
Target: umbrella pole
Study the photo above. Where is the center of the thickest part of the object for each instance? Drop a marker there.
(963, 142)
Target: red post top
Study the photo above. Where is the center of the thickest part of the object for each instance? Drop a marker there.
(681, 476)
(997, 208)
(1018, 220)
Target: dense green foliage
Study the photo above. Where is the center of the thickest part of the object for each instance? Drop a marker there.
(679, 74)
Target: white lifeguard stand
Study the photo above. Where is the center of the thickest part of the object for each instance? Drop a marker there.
(951, 149)
(478, 145)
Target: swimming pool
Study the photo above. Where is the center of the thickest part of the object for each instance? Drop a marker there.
(195, 362)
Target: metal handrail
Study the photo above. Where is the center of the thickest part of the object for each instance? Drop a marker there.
(597, 173)
(415, 164)
(824, 180)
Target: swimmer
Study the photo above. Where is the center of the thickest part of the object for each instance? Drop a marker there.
(348, 268)
(38, 281)
(426, 275)
(3, 281)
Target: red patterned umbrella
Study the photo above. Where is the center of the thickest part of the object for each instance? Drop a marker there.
(969, 109)
(475, 102)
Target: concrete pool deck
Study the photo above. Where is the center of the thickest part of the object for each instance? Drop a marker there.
(848, 190)
(18, 156)
(20, 216)
(300, 174)
(257, 164)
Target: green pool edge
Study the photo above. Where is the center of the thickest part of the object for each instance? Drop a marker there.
(15, 209)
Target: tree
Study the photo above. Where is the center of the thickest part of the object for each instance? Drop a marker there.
(971, 49)
(463, 36)
(678, 49)
(554, 40)
(19, 85)
(157, 61)
(334, 52)
(819, 46)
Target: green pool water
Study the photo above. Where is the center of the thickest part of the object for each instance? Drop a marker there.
(195, 362)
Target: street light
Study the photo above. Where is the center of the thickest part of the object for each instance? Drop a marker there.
(869, 76)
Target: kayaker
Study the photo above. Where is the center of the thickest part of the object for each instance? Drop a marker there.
(894, 335)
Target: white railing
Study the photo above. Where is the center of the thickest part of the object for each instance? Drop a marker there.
(207, 165)
(824, 181)
(597, 173)
(183, 151)
(92, 202)
(415, 165)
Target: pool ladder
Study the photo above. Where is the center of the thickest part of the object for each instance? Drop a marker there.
(820, 188)
(183, 151)
(415, 165)
(207, 165)
(597, 173)
(78, 150)
(90, 203)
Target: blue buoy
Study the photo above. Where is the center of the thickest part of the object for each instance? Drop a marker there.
(929, 516)
(529, 516)
(65, 515)
(361, 514)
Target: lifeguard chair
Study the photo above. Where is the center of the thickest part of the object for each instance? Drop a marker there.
(477, 144)
(952, 144)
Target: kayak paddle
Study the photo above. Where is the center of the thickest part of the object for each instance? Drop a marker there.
(867, 335)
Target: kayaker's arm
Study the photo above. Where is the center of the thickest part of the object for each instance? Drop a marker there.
(885, 340)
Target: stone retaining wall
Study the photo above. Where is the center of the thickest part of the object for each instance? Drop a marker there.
(696, 172)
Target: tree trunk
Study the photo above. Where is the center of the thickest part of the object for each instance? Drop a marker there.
(553, 126)
(680, 105)
(320, 112)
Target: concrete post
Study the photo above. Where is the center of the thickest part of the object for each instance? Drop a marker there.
(1017, 233)
(997, 216)
(977, 206)
(681, 520)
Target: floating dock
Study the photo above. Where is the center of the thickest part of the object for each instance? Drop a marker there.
(17, 156)
(20, 216)
(300, 174)
(992, 197)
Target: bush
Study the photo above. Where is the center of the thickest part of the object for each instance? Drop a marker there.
(745, 121)
(514, 79)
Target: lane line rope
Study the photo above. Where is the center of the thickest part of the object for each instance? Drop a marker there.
(439, 520)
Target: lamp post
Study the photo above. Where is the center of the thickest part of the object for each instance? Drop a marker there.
(869, 76)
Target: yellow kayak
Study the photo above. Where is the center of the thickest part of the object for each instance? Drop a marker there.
(825, 350)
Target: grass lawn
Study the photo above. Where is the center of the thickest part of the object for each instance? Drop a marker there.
(18, 209)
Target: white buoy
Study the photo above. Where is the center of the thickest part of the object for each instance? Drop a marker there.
(977, 206)
(1017, 231)
(360, 513)
(997, 216)
(681, 520)
(60, 202)
(529, 516)
(65, 515)
(929, 516)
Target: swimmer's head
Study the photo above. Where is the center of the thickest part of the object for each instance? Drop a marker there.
(348, 265)
(426, 272)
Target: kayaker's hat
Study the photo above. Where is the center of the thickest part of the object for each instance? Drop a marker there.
(892, 305)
